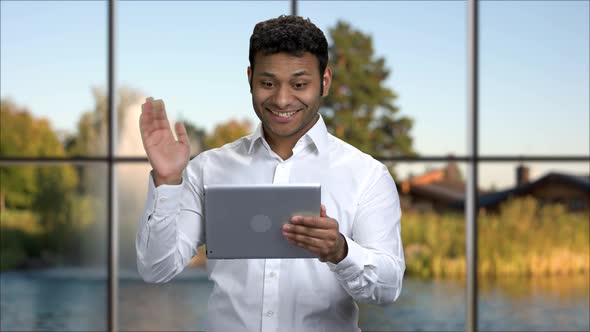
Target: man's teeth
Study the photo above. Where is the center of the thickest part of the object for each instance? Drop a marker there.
(284, 114)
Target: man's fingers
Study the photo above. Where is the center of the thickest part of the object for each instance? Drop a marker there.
(159, 105)
(323, 211)
(181, 132)
(154, 115)
(309, 247)
(153, 105)
(316, 222)
(308, 231)
(147, 105)
(150, 121)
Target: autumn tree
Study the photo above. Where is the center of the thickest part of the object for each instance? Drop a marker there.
(228, 132)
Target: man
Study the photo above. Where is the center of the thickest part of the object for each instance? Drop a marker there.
(356, 237)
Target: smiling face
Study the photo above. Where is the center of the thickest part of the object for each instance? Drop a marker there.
(286, 94)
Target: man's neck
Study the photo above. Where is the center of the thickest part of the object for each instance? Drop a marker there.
(283, 146)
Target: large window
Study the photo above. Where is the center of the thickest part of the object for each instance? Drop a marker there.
(73, 172)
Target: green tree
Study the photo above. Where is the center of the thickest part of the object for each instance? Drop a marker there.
(17, 186)
(360, 109)
(22, 135)
(46, 191)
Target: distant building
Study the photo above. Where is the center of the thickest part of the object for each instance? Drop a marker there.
(570, 190)
(434, 190)
(444, 189)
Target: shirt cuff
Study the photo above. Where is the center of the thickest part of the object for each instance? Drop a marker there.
(352, 265)
(164, 199)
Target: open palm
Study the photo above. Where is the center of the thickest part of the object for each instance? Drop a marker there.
(167, 155)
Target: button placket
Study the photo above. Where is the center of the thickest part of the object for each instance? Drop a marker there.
(270, 297)
(282, 173)
(270, 304)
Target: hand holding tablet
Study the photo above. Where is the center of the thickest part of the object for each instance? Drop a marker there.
(246, 221)
(319, 235)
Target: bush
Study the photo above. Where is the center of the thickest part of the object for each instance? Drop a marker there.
(523, 239)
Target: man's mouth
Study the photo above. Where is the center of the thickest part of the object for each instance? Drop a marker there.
(284, 115)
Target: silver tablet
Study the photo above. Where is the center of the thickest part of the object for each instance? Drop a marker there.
(246, 221)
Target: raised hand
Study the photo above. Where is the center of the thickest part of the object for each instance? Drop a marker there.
(167, 155)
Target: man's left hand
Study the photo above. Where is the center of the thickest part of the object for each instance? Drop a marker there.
(319, 235)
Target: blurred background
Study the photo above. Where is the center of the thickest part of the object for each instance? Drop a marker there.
(399, 94)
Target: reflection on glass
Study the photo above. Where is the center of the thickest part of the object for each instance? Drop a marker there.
(534, 250)
(53, 69)
(53, 248)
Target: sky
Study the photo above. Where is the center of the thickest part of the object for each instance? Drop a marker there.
(534, 66)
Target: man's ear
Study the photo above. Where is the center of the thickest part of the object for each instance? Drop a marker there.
(249, 71)
(326, 81)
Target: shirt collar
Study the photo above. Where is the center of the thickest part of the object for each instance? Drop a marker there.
(318, 135)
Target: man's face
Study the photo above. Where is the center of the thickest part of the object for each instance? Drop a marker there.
(286, 93)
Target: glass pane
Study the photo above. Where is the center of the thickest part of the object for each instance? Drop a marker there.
(534, 252)
(53, 248)
(534, 77)
(179, 305)
(423, 45)
(196, 79)
(433, 295)
(194, 64)
(53, 69)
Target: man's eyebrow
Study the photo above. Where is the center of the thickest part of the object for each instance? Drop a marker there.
(267, 74)
(301, 73)
(296, 74)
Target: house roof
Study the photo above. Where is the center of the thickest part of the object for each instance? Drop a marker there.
(582, 183)
(441, 191)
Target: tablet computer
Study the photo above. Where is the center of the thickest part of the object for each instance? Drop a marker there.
(246, 221)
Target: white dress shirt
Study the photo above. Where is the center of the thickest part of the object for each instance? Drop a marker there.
(283, 294)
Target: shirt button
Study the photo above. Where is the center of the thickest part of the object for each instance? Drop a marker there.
(272, 274)
(269, 313)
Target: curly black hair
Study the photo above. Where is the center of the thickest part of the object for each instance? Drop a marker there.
(290, 34)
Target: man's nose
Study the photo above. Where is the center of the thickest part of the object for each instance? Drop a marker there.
(283, 97)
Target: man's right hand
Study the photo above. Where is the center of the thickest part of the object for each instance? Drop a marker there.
(167, 156)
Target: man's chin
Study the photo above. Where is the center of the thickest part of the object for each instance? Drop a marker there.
(280, 132)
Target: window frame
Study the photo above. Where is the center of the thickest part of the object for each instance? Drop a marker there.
(472, 160)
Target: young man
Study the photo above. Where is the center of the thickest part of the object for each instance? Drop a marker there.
(356, 237)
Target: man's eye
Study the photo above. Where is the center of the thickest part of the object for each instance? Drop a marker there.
(267, 84)
(300, 85)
